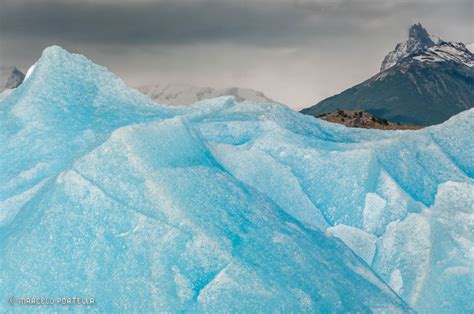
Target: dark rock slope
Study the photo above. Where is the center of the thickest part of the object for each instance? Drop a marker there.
(362, 119)
(15, 79)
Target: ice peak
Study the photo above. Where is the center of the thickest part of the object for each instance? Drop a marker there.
(56, 55)
(54, 49)
(52, 54)
(59, 66)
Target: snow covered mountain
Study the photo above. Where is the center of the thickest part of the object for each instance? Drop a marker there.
(446, 52)
(421, 82)
(418, 39)
(225, 206)
(182, 94)
(423, 47)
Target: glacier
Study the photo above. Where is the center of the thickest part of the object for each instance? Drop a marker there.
(225, 205)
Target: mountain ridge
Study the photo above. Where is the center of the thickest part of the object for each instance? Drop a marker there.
(184, 94)
(424, 86)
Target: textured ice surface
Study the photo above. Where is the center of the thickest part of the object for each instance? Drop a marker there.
(361, 242)
(387, 184)
(433, 253)
(225, 205)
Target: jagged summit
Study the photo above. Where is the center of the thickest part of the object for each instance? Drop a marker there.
(419, 35)
(422, 47)
(15, 79)
(418, 39)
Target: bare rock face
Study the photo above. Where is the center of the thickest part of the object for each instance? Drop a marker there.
(362, 119)
(15, 79)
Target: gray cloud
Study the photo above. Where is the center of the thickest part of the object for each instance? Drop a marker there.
(150, 22)
(297, 51)
(181, 21)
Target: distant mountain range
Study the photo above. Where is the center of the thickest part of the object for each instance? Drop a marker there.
(423, 81)
(183, 94)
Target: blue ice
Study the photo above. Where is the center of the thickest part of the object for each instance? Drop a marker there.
(224, 206)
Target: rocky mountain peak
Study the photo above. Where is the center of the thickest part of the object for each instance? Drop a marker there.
(418, 33)
(15, 79)
(418, 39)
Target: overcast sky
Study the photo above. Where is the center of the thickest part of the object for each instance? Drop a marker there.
(296, 51)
